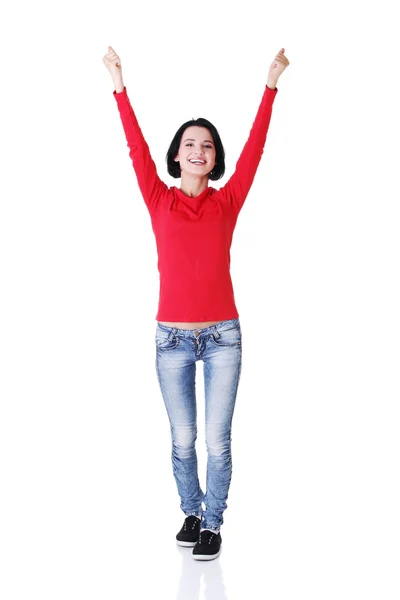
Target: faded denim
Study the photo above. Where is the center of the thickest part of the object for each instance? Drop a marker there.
(177, 351)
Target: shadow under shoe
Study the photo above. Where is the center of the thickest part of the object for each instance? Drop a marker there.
(190, 531)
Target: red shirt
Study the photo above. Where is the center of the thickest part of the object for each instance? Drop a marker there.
(194, 235)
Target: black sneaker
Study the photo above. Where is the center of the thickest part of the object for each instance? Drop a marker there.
(208, 545)
(189, 534)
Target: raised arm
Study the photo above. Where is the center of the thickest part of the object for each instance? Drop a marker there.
(238, 186)
(151, 186)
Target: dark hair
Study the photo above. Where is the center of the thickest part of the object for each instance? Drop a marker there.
(173, 166)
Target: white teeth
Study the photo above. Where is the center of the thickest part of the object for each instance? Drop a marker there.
(200, 162)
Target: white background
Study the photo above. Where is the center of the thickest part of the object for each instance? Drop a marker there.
(88, 503)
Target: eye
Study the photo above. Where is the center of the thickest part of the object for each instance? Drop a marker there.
(191, 144)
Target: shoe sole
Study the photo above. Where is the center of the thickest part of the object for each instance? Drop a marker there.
(206, 556)
(186, 544)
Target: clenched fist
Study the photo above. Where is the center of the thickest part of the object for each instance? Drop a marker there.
(277, 67)
(113, 64)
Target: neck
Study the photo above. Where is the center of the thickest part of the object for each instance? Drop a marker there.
(193, 186)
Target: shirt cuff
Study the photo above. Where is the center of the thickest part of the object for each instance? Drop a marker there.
(120, 93)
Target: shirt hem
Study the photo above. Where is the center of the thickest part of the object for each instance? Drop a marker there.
(192, 320)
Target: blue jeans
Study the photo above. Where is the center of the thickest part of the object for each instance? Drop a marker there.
(177, 351)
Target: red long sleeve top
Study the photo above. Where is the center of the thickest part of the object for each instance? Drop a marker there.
(194, 235)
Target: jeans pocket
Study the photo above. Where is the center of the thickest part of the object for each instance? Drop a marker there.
(166, 341)
(227, 337)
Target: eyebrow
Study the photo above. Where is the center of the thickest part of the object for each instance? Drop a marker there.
(193, 140)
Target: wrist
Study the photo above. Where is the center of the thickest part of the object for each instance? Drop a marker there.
(119, 86)
(118, 82)
(271, 84)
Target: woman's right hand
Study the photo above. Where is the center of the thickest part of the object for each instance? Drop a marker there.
(113, 64)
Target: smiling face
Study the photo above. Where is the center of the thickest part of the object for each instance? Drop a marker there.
(196, 153)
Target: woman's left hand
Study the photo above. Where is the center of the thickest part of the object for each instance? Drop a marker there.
(277, 67)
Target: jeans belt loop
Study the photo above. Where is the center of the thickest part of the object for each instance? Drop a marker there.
(215, 332)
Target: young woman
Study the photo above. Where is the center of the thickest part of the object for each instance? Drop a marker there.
(197, 318)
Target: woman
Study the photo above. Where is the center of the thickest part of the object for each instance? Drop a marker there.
(197, 318)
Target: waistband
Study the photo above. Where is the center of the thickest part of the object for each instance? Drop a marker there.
(223, 326)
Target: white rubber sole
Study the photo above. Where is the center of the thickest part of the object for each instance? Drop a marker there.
(206, 556)
(186, 544)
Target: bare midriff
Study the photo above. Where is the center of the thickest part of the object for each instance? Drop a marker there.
(189, 325)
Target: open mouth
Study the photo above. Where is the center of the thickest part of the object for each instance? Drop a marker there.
(200, 163)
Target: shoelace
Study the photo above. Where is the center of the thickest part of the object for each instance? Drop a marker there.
(204, 535)
(187, 521)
